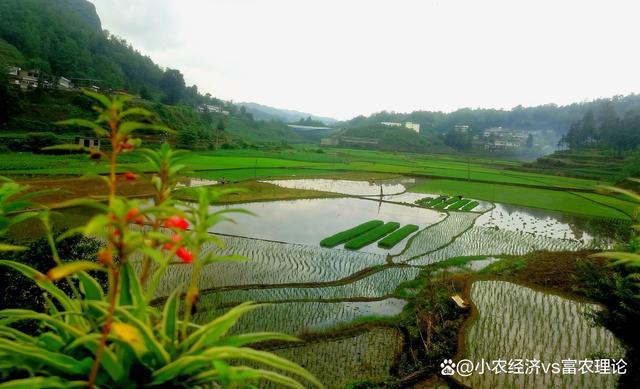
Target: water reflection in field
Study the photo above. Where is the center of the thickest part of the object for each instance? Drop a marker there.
(309, 221)
(348, 187)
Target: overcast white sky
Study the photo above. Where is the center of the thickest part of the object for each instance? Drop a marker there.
(342, 58)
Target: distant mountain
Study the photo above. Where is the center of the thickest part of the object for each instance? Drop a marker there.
(264, 112)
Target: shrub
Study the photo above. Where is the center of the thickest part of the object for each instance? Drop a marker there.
(349, 234)
(371, 236)
(113, 336)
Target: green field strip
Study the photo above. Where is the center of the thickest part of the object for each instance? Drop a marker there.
(398, 236)
(372, 236)
(440, 205)
(347, 235)
(451, 200)
(436, 201)
(470, 206)
(425, 201)
(459, 204)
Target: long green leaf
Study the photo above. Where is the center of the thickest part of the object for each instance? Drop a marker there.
(263, 357)
(66, 269)
(130, 289)
(213, 330)
(41, 281)
(12, 315)
(146, 332)
(90, 287)
(41, 356)
(43, 383)
(170, 316)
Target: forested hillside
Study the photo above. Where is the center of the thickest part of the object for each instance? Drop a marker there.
(544, 117)
(64, 38)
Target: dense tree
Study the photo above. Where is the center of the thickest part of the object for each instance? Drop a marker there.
(172, 85)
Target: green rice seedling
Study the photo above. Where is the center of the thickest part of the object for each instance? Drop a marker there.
(470, 206)
(515, 322)
(398, 236)
(425, 201)
(435, 201)
(459, 204)
(371, 236)
(345, 236)
(452, 200)
(440, 205)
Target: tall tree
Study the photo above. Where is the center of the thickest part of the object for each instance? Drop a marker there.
(172, 85)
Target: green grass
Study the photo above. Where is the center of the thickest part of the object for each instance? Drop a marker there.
(398, 236)
(371, 236)
(351, 233)
(556, 200)
(303, 157)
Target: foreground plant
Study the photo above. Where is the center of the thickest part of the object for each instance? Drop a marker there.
(91, 337)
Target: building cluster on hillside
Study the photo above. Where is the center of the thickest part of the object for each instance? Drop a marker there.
(31, 79)
(211, 108)
(498, 138)
(410, 125)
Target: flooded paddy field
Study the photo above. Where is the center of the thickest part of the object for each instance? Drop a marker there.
(521, 323)
(316, 290)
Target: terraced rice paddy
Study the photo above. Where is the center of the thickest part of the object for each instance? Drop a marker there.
(438, 235)
(532, 221)
(376, 285)
(272, 263)
(316, 289)
(303, 317)
(369, 355)
(486, 241)
(515, 322)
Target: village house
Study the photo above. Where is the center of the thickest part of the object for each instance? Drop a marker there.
(87, 141)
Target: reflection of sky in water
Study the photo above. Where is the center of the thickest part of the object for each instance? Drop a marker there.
(309, 221)
(359, 188)
(532, 221)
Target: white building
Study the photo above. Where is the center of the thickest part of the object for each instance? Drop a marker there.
(413, 126)
(391, 124)
(65, 83)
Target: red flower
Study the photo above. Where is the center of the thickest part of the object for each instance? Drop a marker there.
(139, 220)
(128, 176)
(131, 215)
(104, 257)
(169, 245)
(185, 255)
(176, 222)
(127, 146)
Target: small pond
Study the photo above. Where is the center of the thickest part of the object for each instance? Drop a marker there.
(309, 221)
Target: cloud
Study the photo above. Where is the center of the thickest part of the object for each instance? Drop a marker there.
(343, 58)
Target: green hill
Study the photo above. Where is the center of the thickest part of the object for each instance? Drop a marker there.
(393, 139)
(65, 38)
